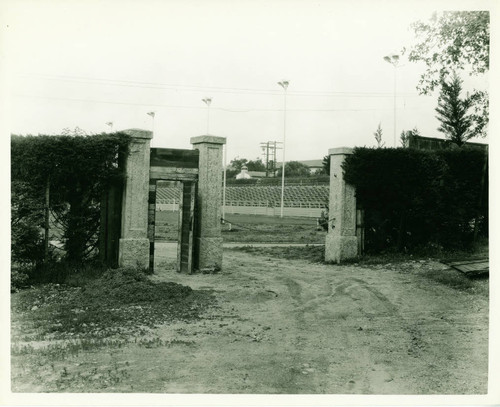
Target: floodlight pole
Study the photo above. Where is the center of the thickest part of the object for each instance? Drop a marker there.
(110, 124)
(394, 61)
(284, 85)
(207, 101)
(152, 114)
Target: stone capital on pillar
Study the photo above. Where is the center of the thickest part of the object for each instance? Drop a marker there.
(134, 243)
(139, 133)
(340, 151)
(208, 241)
(207, 139)
(341, 241)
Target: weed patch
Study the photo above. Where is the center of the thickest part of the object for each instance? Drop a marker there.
(118, 305)
(312, 254)
(266, 233)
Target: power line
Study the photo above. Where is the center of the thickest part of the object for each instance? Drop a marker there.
(217, 89)
(200, 107)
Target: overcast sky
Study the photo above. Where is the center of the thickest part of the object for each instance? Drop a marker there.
(86, 63)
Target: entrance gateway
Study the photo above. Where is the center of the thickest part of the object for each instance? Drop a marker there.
(200, 236)
(200, 172)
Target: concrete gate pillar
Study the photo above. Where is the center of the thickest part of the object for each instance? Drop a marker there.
(134, 242)
(341, 241)
(208, 241)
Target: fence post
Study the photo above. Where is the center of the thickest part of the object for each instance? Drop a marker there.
(208, 240)
(134, 242)
(341, 241)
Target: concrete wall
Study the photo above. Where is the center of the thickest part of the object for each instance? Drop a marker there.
(274, 211)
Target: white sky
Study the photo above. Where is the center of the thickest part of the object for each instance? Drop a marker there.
(85, 63)
(171, 54)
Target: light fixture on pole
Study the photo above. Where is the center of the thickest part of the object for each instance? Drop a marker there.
(394, 61)
(110, 124)
(284, 85)
(152, 114)
(207, 101)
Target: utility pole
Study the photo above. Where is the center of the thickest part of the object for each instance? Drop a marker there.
(269, 150)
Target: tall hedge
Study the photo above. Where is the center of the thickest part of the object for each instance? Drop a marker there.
(76, 170)
(415, 198)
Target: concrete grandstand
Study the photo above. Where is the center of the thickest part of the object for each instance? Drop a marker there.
(299, 200)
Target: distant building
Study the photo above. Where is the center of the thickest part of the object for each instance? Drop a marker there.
(244, 173)
(313, 165)
(257, 174)
(431, 143)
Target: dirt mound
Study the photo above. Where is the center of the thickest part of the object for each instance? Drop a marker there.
(130, 286)
(120, 302)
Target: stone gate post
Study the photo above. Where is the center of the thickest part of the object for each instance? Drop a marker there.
(134, 243)
(341, 241)
(208, 234)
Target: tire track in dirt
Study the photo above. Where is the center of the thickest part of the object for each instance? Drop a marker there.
(350, 301)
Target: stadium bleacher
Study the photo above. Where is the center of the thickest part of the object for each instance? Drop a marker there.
(252, 195)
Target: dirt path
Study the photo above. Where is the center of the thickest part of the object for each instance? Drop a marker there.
(296, 327)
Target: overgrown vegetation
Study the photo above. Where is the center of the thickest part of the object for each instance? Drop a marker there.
(453, 112)
(405, 136)
(273, 233)
(309, 253)
(118, 303)
(414, 199)
(378, 136)
(60, 180)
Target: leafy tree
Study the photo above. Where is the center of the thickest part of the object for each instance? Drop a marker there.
(452, 111)
(295, 169)
(256, 165)
(450, 42)
(378, 136)
(405, 136)
(326, 166)
(238, 163)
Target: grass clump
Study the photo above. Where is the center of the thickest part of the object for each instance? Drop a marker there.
(118, 304)
(312, 254)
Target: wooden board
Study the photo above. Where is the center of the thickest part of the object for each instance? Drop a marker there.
(171, 157)
(186, 218)
(174, 174)
(471, 267)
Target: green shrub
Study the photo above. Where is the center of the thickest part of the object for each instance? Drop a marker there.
(75, 171)
(414, 198)
(18, 278)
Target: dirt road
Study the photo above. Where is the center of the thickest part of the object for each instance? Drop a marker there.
(295, 327)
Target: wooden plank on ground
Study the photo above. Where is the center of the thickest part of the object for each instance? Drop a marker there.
(471, 267)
